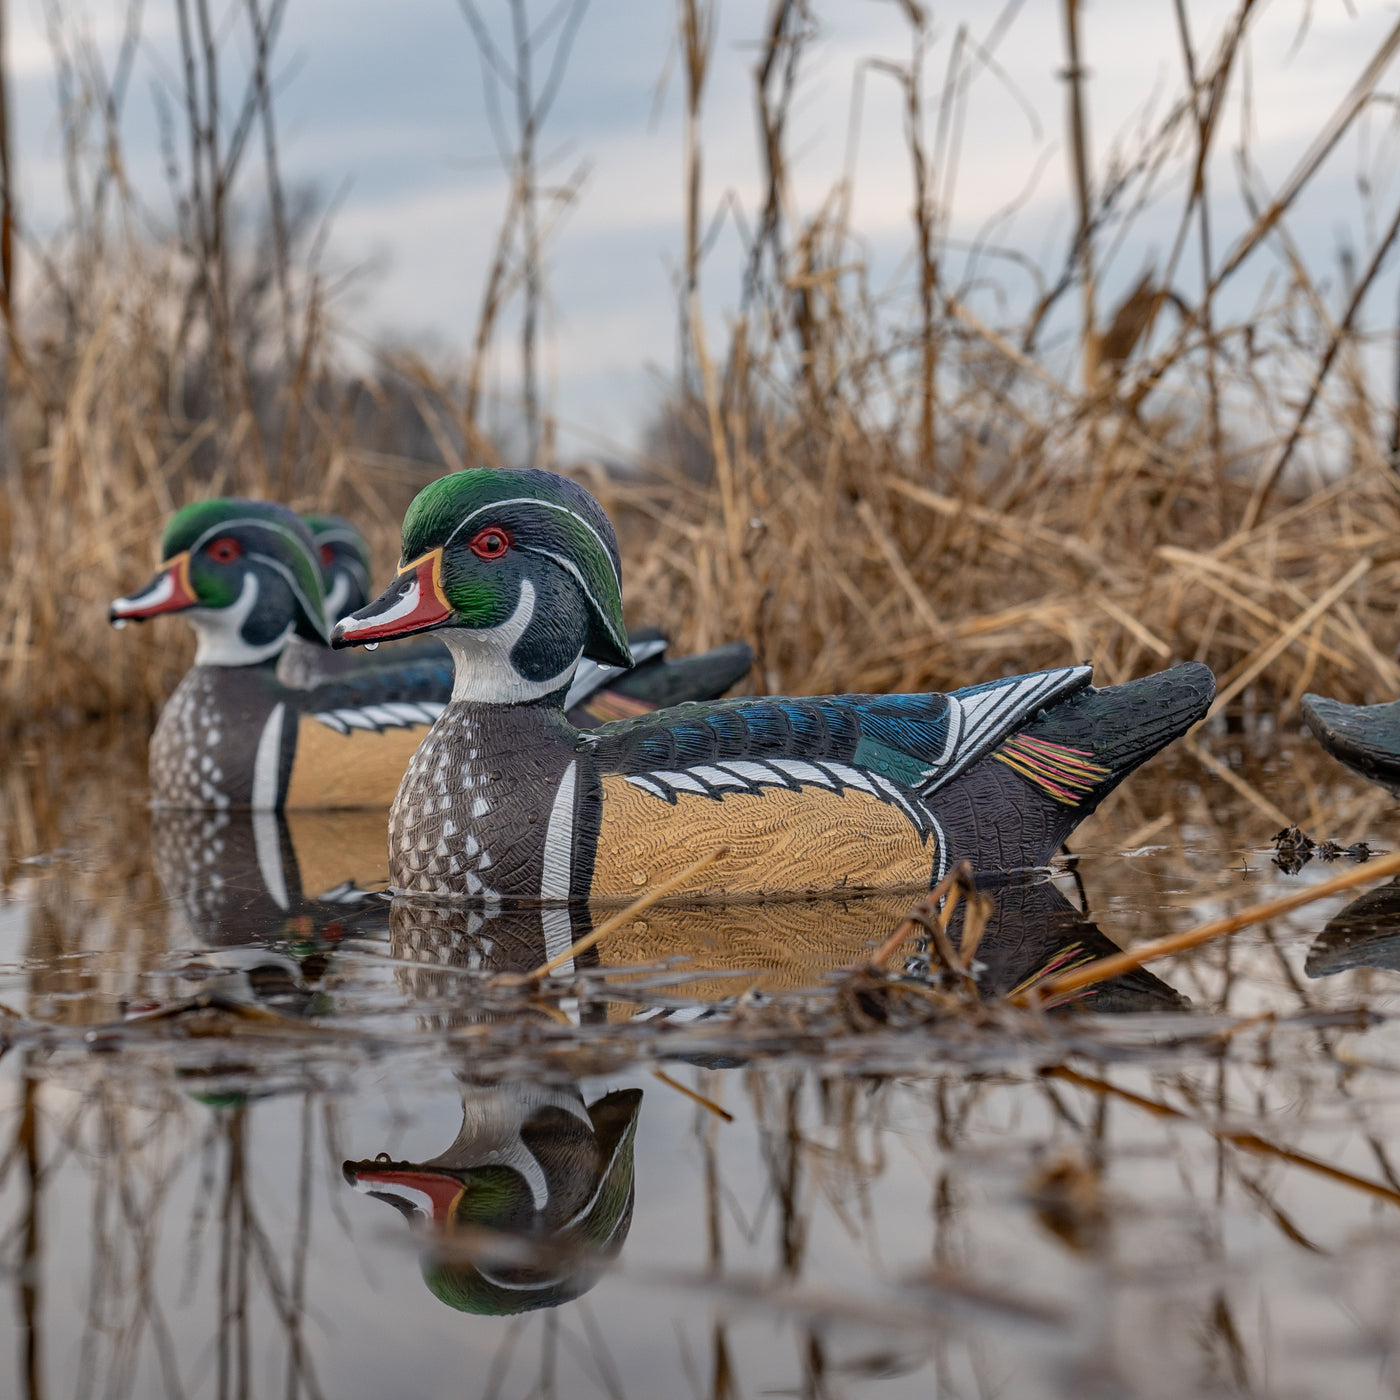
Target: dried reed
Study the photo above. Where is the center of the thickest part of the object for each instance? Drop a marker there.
(877, 502)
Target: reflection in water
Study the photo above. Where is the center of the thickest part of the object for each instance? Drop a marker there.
(533, 1195)
(251, 884)
(1366, 933)
(1006, 1210)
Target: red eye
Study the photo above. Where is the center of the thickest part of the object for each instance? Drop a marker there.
(327, 555)
(224, 550)
(490, 543)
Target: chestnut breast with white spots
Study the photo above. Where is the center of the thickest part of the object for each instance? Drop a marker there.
(205, 742)
(472, 813)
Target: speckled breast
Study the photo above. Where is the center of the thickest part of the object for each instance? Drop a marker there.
(471, 815)
(204, 744)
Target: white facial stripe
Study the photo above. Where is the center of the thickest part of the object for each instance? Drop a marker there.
(292, 582)
(483, 672)
(570, 567)
(219, 632)
(337, 536)
(252, 522)
(335, 599)
(546, 505)
(153, 597)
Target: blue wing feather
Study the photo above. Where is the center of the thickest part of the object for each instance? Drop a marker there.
(905, 737)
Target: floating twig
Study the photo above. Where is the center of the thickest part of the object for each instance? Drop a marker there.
(632, 910)
(693, 1094)
(1104, 968)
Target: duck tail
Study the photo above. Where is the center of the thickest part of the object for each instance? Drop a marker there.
(1055, 770)
(1364, 737)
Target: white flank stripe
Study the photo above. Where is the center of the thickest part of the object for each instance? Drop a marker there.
(716, 777)
(384, 717)
(648, 787)
(802, 772)
(269, 851)
(559, 842)
(755, 773)
(356, 719)
(406, 712)
(851, 777)
(267, 762)
(330, 721)
(682, 782)
(558, 936)
(886, 786)
(942, 840)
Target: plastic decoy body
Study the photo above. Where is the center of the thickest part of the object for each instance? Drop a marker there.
(518, 572)
(234, 734)
(1364, 737)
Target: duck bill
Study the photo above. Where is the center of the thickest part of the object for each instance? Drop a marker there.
(430, 1194)
(170, 591)
(414, 602)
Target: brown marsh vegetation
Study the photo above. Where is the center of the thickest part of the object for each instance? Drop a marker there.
(881, 491)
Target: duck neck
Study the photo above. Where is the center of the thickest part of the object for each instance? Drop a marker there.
(512, 663)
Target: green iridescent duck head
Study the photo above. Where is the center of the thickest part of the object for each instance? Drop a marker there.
(518, 570)
(524, 1208)
(246, 575)
(345, 563)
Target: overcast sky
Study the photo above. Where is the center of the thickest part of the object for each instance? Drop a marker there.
(385, 101)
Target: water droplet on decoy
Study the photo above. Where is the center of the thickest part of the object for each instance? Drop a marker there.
(119, 623)
(371, 646)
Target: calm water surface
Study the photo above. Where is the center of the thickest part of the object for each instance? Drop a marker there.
(264, 1134)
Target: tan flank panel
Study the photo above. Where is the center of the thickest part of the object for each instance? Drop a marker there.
(781, 945)
(333, 847)
(358, 769)
(780, 842)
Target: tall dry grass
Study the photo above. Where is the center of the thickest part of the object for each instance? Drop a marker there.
(877, 499)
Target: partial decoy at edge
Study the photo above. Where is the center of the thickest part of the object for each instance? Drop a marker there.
(519, 572)
(234, 734)
(1364, 737)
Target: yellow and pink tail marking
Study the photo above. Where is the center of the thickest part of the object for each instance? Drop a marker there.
(1068, 775)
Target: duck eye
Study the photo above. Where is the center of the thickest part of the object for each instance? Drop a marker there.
(327, 555)
(224, 550)
(490, 543)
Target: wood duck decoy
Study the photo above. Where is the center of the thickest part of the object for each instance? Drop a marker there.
(1364, 737)
(533, 1169)
(235, 734)
(518, 572)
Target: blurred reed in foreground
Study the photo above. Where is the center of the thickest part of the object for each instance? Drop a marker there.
(879, 494)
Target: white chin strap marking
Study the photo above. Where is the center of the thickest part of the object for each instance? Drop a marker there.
(219, 632)
(335, 599)
(483, 673)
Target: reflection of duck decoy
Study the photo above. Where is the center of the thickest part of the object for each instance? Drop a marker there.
(235, 734)
(505, 799)
(267, 899)
(523, 1209)
(236, 877)
(1366, 933)
(716, 952)
(1364, 737)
